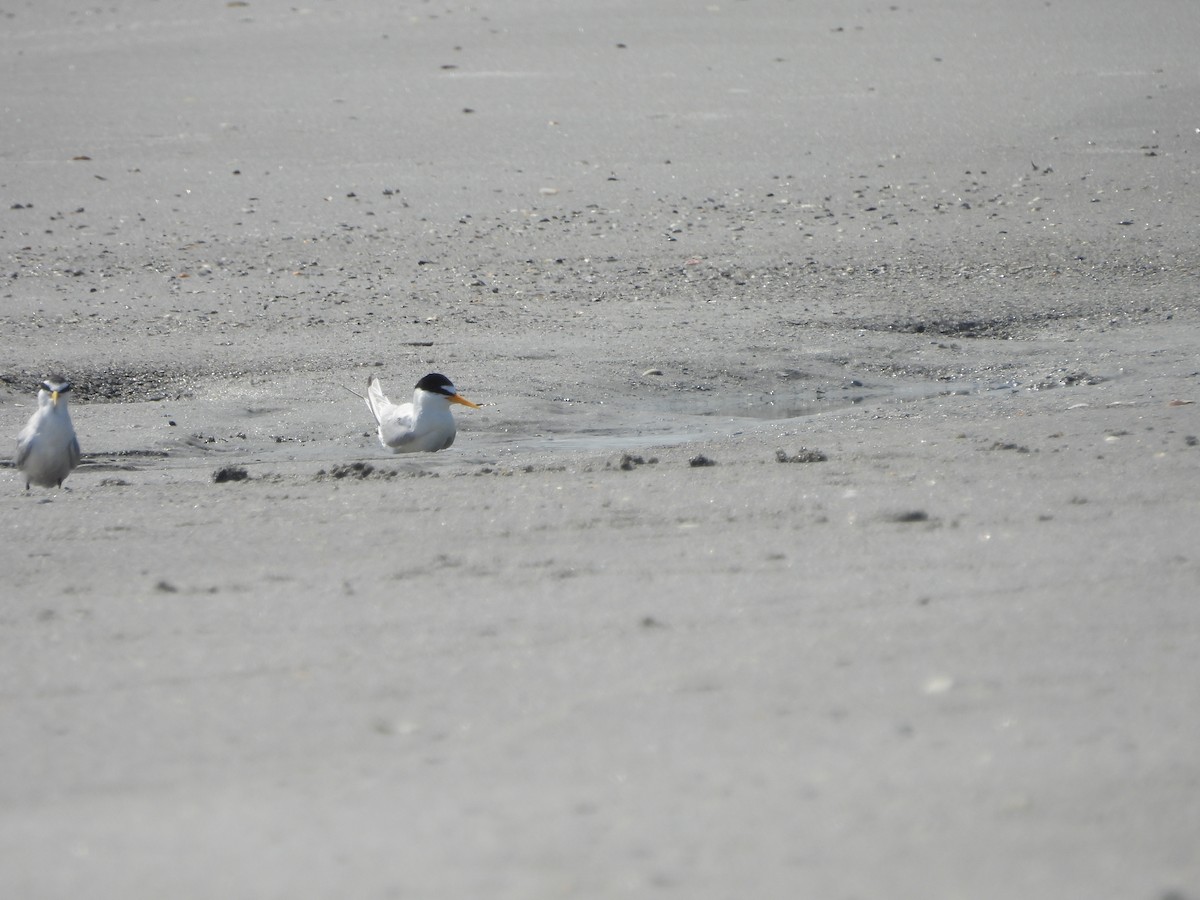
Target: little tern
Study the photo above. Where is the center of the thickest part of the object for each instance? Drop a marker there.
(47, 449)
(423, 426)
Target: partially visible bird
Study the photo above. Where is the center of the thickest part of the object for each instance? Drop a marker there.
(47, 449)
(425, 425)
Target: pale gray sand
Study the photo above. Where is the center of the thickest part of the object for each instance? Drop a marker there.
(949, 248)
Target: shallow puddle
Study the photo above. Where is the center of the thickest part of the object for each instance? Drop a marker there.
(599, 427)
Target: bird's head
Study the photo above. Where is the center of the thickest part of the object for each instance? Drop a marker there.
(56, 386)
(436, 383)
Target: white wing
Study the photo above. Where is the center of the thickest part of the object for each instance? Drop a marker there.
(396, 427)
(377, 402)
(27, 438)
(395, 422)
(24, 445)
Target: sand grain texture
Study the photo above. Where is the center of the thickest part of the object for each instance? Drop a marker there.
(919, 282)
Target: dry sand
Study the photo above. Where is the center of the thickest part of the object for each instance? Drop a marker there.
(949, 247)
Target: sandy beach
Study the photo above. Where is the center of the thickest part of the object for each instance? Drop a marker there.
(828, 528)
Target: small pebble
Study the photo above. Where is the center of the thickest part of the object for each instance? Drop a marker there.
(938, 684)
(912, 515)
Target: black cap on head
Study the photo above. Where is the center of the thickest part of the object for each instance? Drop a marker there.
(57, 383)
(436, 383)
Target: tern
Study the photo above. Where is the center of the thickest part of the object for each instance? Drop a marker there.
(47, 449)
(423, 426)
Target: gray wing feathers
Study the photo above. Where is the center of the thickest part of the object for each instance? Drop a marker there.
(24, 445)
(397, 432)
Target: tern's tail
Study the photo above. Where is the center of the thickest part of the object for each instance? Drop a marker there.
(376, 400)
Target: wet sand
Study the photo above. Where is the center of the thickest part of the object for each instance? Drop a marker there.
(828, 528)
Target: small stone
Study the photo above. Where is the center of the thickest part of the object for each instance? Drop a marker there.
(912, 515)
(938, 684)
